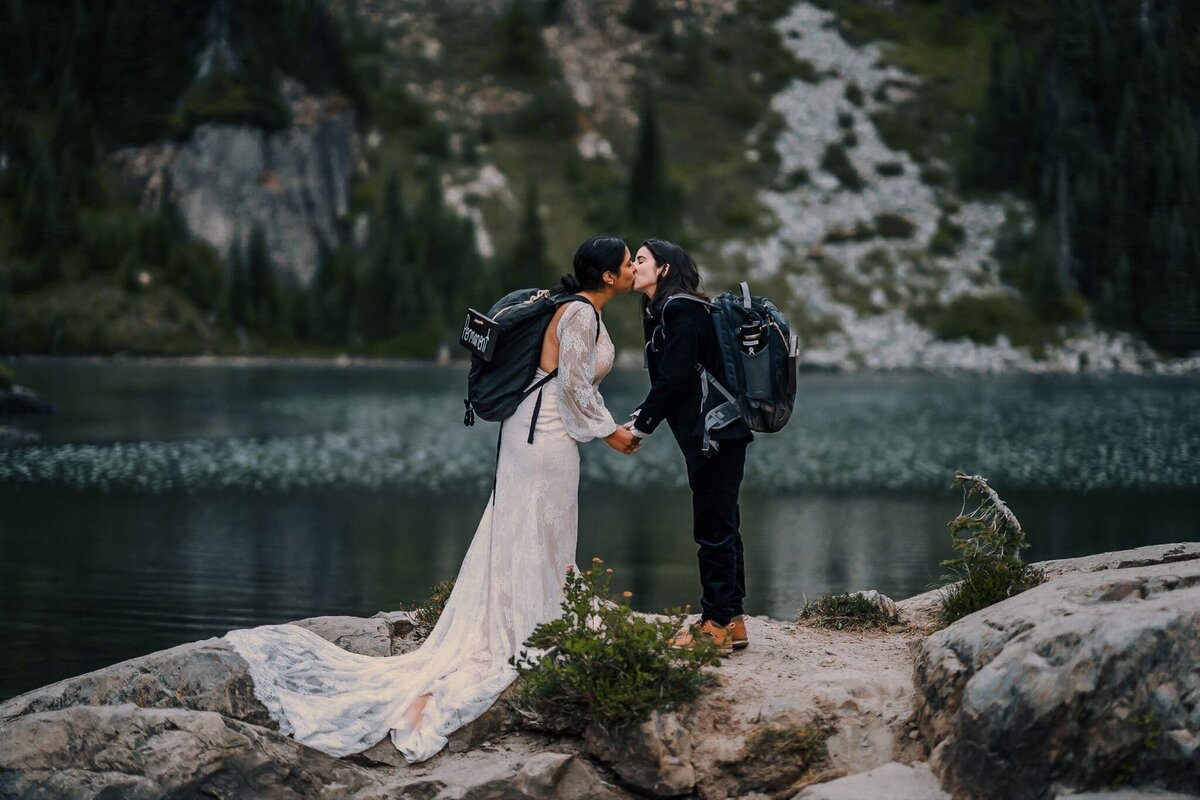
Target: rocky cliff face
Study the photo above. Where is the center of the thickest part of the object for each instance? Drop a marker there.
(227, 179)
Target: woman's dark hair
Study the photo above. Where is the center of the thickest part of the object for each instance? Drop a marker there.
(682, 278)
(593, 258)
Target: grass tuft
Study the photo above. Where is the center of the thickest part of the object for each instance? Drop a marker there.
(847, 611)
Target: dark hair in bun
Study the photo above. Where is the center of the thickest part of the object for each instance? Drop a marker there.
(593, 258)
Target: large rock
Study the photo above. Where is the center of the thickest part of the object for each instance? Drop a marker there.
(198, 676)
(20, 400)
(654, 758)
(225, 179)
(891, 781)
(857, 686)
(1087, 679)
(130, 752)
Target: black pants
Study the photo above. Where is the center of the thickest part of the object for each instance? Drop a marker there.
(716, 527)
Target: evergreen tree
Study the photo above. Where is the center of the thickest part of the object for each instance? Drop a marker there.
(387, 277)
(238, 307)
(528, 266)
(651, 196)
(519, 33)
(263, 285)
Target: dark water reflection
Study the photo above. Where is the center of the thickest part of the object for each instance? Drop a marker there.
(93, 571)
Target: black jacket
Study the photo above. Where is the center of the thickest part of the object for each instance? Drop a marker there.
(686, 339)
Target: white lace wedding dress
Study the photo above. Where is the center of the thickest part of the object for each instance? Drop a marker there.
(510, 581)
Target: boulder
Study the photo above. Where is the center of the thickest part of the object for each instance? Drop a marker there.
(856, 686)
(19, 400)
(1081, 682)
(130, 752)
(370, 637)
(198, 676)
(654, 758)
(891, 781)
(293, 183)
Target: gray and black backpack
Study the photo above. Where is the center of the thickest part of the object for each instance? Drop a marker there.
(758, 363)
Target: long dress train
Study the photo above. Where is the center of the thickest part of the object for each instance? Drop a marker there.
(510, 581)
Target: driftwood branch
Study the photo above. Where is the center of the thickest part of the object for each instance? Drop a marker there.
(999, 507)
(1006, 532)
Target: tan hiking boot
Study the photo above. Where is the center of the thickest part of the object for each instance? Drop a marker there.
(708, 630)
(737, 630)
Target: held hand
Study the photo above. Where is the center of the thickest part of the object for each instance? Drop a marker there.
(623, 441)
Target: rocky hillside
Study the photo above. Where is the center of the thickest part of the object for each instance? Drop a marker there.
(1082, 684)
(776, 140)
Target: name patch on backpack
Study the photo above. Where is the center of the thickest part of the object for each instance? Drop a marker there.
(479, 334)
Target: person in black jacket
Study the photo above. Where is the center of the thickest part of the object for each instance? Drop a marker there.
(679, 339)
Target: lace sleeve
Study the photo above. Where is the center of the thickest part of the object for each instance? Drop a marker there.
(579, 402)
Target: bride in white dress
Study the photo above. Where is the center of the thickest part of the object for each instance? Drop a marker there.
(511, 578)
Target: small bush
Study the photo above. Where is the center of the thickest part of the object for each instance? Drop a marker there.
(889, 169)
(791, 181)
(948, 237)
(426, 615)
(854, 94)
(990, 540)
(837, 163)
(599, 662)
(806, 72)
(846, 612)
(894, 226)
(7, 378)
(859, 232)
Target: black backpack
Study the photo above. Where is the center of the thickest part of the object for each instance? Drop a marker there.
(514, 327)
(758, 363)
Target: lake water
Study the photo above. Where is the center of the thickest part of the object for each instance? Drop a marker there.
(168, 503)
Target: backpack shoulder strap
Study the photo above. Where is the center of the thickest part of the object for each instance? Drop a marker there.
(676, 299)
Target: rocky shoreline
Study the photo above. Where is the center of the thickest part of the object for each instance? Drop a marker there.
(1086, 683)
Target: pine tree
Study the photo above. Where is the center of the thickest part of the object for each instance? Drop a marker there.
(519, 32)
(388, 275)
(238, 305)
(528, 266)
(263, 285)
(650, 194)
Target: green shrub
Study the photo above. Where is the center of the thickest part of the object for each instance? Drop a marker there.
(8, 378)
(948, 237)
(194, 268)
(854, 94)
(990, 540)
(223, 98)
(791, 180)
(859, 232)
(837, 163)
(889, 169)
(600, 662)
(806, 72)
(983, 319)
(894, 226)
(426, 615)
(846, 611)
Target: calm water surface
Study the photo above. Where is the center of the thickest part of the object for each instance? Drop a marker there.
(168, 503)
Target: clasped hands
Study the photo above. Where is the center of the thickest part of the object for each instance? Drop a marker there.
(623, 441)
